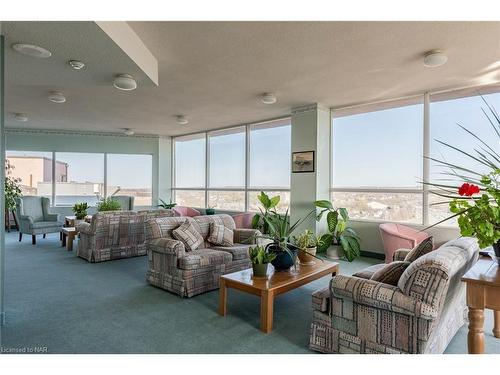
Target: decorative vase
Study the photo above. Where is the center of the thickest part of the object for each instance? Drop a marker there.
(283, 260)
(496, 249)
(306, 255)
(260, 270)
(335, 252)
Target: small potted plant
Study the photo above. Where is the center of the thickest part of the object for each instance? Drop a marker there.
(165, 205)
(307, 244)
(80, 211)
(210, 210)
(260, 259)
(108, 204)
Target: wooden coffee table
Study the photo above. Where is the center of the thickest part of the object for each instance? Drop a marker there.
(275, 284)
(483, 291)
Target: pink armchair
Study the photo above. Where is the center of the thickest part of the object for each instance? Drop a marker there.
(185, 211)
(244, 220)
(397, 236)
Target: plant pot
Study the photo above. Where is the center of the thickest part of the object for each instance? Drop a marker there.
(260, 270)
(283, 260)
(209, 211)
(335, 252)
(306, 255)
(496, 249)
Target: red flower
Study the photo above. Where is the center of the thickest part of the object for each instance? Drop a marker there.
(468, 189)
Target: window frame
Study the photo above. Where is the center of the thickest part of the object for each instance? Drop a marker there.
(207, 189)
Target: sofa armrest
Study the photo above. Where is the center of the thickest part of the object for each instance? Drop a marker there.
(167, 246)
(246, 236)
(380, 296)
(85, 228)
(52, 217)
(400, 254)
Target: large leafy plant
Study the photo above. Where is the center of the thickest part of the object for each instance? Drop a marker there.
(269, 205)
(473, 196)
(339, 233)
(12, 187)
(108, 204)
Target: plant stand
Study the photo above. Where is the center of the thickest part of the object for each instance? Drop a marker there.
(7, 220)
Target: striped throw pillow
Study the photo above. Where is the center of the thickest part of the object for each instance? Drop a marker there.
(188, 235)
(220, 235)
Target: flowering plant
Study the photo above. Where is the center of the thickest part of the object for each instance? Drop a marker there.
(476, 202)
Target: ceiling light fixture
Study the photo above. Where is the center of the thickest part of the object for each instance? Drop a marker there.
(75, 64)
(128, 131)
(181, 120)
(31, 50)
(268, 98)
(23, 117)
(125, 82)
(57, 97)
(435, 58)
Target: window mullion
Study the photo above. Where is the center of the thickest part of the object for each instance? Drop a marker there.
(426, 161)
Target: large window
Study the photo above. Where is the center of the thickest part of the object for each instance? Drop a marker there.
(230, 184)
(377, 164)
(120, 168)
(34, 171)
(79, 178)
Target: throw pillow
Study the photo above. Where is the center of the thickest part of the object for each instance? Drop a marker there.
(390, 273)
(188, 235)
(220, 235)
(424, 247)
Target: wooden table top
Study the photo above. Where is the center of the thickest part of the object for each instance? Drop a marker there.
(277, 280)
(485, 271)
(68, 229)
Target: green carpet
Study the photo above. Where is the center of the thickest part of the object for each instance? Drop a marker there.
(59, 301)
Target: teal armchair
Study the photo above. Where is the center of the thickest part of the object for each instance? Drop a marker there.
(34, 217)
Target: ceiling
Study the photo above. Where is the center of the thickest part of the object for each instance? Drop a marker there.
(213, 72)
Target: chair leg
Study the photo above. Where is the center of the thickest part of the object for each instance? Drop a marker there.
(33, 239)
(44, 235)
(20, 236)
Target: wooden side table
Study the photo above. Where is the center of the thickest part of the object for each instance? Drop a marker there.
(483, 292)
(68, 236)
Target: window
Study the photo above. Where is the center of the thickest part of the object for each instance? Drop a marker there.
(79, 178)
(230, 186)
(34, 169)
(131, 175)
(377, 164)
(254, 204)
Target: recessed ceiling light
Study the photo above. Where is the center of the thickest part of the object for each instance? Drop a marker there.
(23, 117)
(32, 50)
(75, 64)
(181, 120)
(125, 82)
(435, 58)
(268, 98)
(57, 97)
(128, 131)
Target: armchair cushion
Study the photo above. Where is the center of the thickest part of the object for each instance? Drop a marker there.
(187, 233)
(424, 247)
(46, 224)
(390, 273)
(203, 258)
(220, 235)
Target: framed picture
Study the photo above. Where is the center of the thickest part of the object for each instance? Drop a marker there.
(303, 162)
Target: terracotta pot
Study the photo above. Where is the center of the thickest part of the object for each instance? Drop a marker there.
(306, 255)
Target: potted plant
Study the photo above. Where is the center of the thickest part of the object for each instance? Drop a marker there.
(80, 211)
(12, 190)
(260, 260)
(269, 205)
(475, 199)
(210, 210)
(165, 205)
(341, 241)
(108, 204)
(307, 244)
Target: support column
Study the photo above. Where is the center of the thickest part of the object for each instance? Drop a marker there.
(310, 132)
(164, 182)
(2, 178)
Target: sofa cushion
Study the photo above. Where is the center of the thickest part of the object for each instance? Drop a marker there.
(238, 251)
(203, 258)
(390, 273)
(321, 300)
(368, 272)
(220, 235)
(422, 248)
(188, 235)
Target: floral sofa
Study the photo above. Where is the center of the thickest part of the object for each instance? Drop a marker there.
(115, 234)
(416, 311)
(189, 272)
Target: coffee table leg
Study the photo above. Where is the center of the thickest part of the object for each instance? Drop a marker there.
(63, 240)
(71, 237)
(266, 311)
(496, 327)
(222, 298)
(475, 337)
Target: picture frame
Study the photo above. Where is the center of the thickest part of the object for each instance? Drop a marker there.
(303, 162)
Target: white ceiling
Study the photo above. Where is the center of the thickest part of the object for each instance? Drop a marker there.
(213, 72)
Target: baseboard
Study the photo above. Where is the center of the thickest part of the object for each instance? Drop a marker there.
(370, 254)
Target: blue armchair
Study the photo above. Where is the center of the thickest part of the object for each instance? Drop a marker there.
(34, 217)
